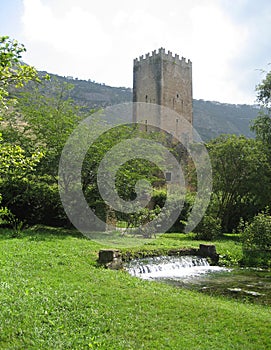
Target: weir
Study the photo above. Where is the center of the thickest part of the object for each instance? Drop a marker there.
(114, 259)
(170, 267)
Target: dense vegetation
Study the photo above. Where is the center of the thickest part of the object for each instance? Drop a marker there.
(53, 294)
(37, 121)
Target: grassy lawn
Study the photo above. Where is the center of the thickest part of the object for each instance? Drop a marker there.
(53, 296)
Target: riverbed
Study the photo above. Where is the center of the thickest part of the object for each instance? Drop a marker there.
(194, 273)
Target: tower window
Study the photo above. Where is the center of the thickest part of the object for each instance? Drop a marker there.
(177, 95)
(168, 176)
(146, 98)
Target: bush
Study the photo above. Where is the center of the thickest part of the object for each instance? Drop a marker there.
(159, 199)
(256, 239)
(257, 234)
(33, 202)
(209, 228)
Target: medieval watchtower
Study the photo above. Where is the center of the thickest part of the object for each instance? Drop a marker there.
(166, 80)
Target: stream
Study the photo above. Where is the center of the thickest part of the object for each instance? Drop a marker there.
(195, 273)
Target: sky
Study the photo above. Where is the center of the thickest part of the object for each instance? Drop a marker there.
(228, 41)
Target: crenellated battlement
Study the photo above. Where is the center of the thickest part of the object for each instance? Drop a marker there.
(165, 79)
(161, 53)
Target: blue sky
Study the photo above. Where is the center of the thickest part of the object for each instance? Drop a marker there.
(227, 41)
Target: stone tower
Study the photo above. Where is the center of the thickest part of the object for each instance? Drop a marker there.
(166, 80)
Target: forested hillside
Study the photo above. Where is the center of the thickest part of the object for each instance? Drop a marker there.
(213, 118)
(210, 118)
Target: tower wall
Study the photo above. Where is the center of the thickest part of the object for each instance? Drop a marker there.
(164, 79)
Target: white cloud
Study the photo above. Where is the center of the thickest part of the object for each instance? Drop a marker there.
(99, 40)
(74, 32)
(218, 41)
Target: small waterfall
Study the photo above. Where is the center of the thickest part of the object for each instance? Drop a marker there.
(169, 267)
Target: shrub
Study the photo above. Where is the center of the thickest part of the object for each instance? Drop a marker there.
(257, 234)
(256, 239)
(209, 228)
(33, 202)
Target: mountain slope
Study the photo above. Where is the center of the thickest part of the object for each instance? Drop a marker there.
(213, 118)
(210, 118)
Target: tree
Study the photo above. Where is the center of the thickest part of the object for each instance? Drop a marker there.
(45, 122)
(39, 123)
(262, 124)
(241, 184)
(12, 71)
(14, 163)
(264, 91)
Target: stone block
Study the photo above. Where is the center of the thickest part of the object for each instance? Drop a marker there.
(107, 255)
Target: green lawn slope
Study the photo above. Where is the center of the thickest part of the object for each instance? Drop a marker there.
(53, 296)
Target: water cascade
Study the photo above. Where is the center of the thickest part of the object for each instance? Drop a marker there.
(195, 273)
(170, 267)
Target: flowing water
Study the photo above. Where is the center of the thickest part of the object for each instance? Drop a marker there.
(192, 272)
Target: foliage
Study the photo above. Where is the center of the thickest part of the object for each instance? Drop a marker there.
(34, 200)
(262, 127)
(4, 212)
(208, 229)
(14, 166)
(238, 163)
(264, 91)
(257, 234)
(141, 218)
(12, 71)
(14, 163)
(256, 239)
(42, 122)
(262, 124)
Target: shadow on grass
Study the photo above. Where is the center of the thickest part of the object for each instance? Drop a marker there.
(178, 236)
(192, 236)
(235, 237)
(40, 233)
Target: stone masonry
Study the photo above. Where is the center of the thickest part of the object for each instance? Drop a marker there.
(163, 79)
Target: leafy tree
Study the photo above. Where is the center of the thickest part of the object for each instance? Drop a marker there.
(14, 166)
(39, 124)
(238, 164)
(262, 127)
(14, 162)
(262, 124)
(12, 71)
(45, 123)
(264, 91)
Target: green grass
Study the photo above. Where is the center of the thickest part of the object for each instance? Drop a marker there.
(53, 296)
(229, 246)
